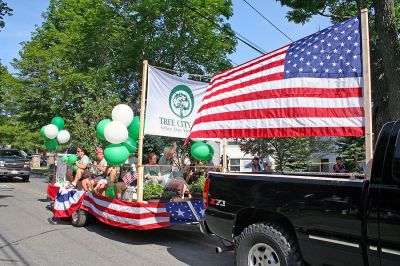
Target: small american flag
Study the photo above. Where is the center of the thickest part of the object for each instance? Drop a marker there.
(129, 177)
(312, 87)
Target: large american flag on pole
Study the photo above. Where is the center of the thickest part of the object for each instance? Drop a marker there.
(312, 87)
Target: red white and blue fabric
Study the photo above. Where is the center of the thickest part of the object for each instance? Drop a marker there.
(312, 87)
(141, 216)
(185, 212)
(67, 202)
(52, 191)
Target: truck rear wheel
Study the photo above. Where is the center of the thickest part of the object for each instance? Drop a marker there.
(266, 244)
(79, 218)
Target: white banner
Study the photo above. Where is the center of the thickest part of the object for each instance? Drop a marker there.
(172, 104)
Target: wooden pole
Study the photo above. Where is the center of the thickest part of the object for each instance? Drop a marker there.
(224, 161)
(141, 133)
(367, 91)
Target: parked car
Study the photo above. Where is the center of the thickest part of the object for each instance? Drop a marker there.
(279, 219)
(14, 163)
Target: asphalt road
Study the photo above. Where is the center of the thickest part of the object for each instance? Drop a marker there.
(27, 238)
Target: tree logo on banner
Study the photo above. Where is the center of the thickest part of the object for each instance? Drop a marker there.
(181, 101)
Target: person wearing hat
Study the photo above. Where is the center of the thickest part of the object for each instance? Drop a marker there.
(98, 169)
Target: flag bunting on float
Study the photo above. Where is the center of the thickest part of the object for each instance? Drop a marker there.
(67, 201)
(142, 216)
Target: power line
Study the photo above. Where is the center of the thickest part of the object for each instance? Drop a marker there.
(231, 32)
(276, 27)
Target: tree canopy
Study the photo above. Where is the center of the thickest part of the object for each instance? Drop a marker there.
(4, 11)
(87, 56)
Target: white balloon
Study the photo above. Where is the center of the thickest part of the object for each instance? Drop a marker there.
(50, 131)
(115, 132)
(122, 113)
(63, 136)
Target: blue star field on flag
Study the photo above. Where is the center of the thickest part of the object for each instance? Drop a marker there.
(185, 212)
(334, 52)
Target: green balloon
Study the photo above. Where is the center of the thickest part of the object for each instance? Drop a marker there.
(51, 144)
(200, 151)
(116, 154)
(72, 159)
(59, 122)
(110, 192)
(211, 149)
(75, 168)
(134, 128)
(100, 128)
(130, 144)
(42, 132)
(64, 158)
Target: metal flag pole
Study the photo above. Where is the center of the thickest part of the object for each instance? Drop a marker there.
(141, 133)
(367, 91)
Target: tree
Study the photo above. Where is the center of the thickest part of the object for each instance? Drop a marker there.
(4, 10)
(288, 153)
(12, 131)
(87, 55)
(349, 147)
(385, 50)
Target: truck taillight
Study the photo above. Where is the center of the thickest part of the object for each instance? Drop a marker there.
(205, 192)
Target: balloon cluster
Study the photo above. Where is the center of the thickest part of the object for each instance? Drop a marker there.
(70, 159)
(55, 134)
(121, 133)
(202, 151)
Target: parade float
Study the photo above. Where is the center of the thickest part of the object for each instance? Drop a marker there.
(124, 135)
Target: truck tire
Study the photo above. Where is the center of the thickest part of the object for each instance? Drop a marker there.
(266, 244)
(25, 178)
(79, 218)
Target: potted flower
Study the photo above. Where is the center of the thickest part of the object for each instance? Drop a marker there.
(196, 188)
(153, 192)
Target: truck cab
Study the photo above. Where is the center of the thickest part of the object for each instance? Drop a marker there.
(276, 219)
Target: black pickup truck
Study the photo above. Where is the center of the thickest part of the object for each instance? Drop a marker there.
(277, 219)
(14, 163)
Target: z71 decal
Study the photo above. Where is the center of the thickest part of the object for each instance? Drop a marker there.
(217, 202)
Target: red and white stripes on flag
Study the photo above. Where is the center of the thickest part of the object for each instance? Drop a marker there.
(130, 215)
(312, 87)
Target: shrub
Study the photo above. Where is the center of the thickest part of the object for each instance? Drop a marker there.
(198, 186)
(152, 190)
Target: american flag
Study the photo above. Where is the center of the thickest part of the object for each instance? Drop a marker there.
(312, 87)
(129, 177)
(141, 216)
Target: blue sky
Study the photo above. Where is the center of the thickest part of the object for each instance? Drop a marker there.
(27, 14)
